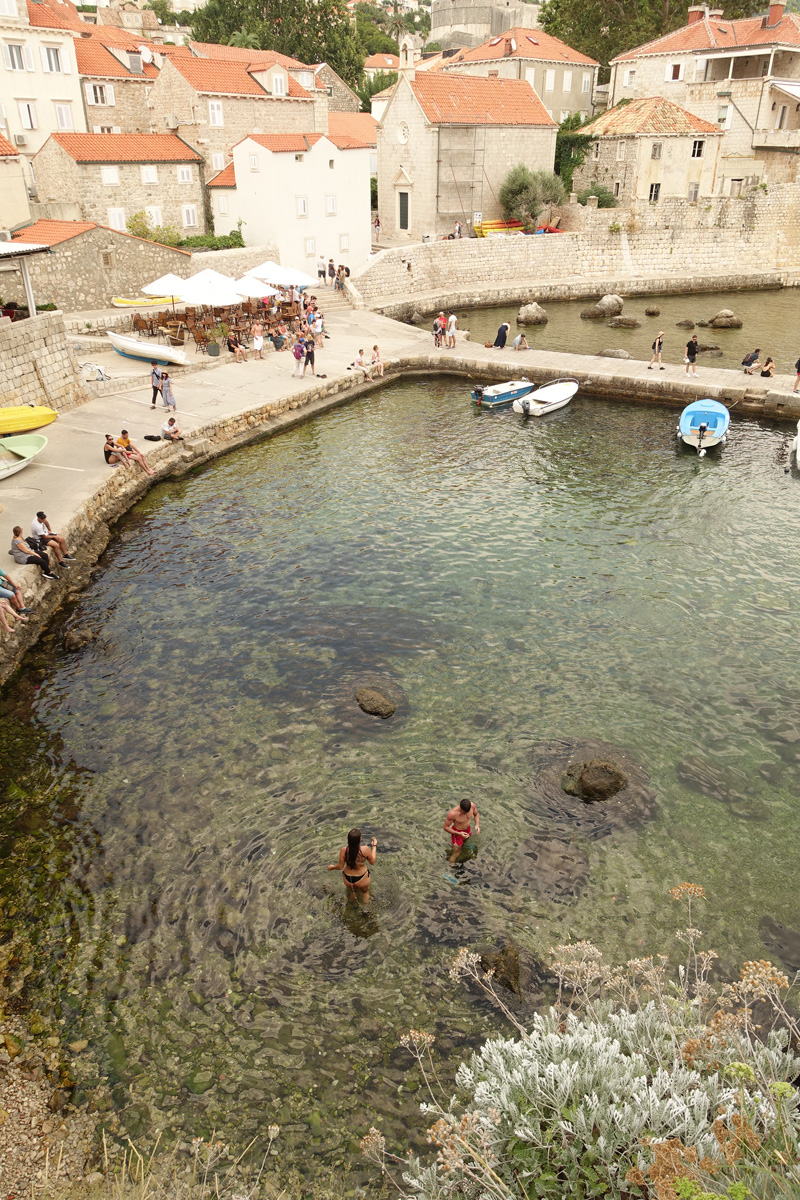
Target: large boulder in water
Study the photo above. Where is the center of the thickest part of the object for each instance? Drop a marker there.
(598, 768)
(607, 306)
(623, 323)
(505, 964)
(685, 324)
(652, 310)
(726, 319)
(377, 703)
(532, 314)
(593, 780)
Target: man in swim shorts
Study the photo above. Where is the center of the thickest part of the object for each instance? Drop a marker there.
(458, 823)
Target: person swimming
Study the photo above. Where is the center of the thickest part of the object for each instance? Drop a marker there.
(354, 863)
(458, 823)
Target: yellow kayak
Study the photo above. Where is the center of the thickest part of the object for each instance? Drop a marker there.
(139, 301)
(25, 417)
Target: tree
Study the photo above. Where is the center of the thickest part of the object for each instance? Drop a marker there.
(605, 198)
(163, 10)
(524, 193)
(244, 40)
(605, 28)
(571, 147)
(372, 39)
(310, 30)
(432, 48)
(371, 87)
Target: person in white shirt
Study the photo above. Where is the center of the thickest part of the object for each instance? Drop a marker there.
(361, 365)
(170, 431)
(40, 528)
(452, 321)
(377, 361)
(322, 268)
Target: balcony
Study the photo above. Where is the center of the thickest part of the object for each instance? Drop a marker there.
(777, 139)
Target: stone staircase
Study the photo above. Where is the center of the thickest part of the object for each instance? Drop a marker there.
(330, 300)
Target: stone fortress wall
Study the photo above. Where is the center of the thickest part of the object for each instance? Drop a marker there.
(672, 246)
(468, 23)
(37, 365)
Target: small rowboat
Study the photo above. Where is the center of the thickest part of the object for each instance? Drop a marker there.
(547, 398)
(130, 347)
(18, 452)
(140, 301)
(704, 424)
(23, 418)
(500, 395)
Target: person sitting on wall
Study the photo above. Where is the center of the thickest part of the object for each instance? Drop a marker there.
(40, 529)
(126, 444)
(11, 591)
(170, 431)
(24, 553)
(115, 456)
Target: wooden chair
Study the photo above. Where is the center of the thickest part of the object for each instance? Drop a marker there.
(200, 341)
(140, 325)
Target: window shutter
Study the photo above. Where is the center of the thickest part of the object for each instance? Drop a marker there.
(96, 129)
(27, 58)
(45, 64)
(680, 72)
(6, 57)
(668, 73)
(66, 65)
(109, 93)
(117, 129)
(87, 89)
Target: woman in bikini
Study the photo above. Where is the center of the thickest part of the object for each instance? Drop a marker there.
(354, 862)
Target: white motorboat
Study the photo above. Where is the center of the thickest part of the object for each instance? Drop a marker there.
(547, 398)
(703, 424)
(131, 347)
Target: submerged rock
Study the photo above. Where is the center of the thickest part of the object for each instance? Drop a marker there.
(532, 314)
(782, 940)
(370, 700)
(704, 347)
(553, 866)
(627, 806)
(613, 354)
(199, 1081)
(685, 324)
(710, 353)
(623, 323)
(725, 784)
(76, 639)
(595, 780)
(726, 319)
(505, 964)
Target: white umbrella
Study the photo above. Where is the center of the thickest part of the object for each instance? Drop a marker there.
(248, 286)
(209, 275)
(284, 276)
(167, 285)
(211, 292)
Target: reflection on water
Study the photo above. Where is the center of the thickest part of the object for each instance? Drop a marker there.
(174, 791)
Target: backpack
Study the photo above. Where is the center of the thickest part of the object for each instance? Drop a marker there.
(298, 350)
(653, 346)
(797, 366)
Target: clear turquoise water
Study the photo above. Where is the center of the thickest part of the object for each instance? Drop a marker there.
(174, 791)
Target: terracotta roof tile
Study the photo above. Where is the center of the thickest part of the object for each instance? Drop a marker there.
(653, 115)
(51, 233)
(6, 149)
(472, 100)
(125, 147)
(285, 143)
(718, 34)
(219, 78)
(522, 43)
(382, 62)
(235, 54)
(226, 178)
(58, 14)
(357, 126)
(121, 39)
(96, 60)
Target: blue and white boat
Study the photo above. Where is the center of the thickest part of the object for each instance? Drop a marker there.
(704, 424)
(500, 395)
(130, 347)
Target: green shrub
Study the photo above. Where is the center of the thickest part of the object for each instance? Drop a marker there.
(524, 193)
(605, 198)
(213, 241)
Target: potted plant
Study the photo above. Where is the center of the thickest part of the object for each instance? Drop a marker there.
(215, 335)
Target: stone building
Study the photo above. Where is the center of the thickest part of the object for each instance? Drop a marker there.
(307, 193)
(742, 75)
(563, 78)
(445, 144)
(89, 263)
(110, 176)
(460, 23)
(318, 77)
(381, 64)
(214, 103)
(14, 203)
(116, 84)
(651, 150)
(341, 97)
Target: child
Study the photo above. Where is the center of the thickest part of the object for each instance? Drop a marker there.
(298, 353)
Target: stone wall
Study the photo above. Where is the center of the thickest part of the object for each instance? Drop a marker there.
(341, 98)
(37, 365)
(233, 262)
(676, 243)
(130, 112)
(78, 275)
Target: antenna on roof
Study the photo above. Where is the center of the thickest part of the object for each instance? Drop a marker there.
(146, 53)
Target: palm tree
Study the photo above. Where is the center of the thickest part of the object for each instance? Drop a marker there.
(396, 28)
(244, 40)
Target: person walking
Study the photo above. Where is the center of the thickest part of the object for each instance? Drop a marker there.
(155, 380)
(167, 394)
(257, 330)
(309, 355)
(354, 862)
(331, 272)
(321, 268)
(691, 355)
(458, 823)
(797, 380)
(377, 224)
(658, 346)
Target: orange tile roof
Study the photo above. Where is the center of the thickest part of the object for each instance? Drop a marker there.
(125, 147)
(522, 43)
(473, 100)
(169, 51)
(58, 14)
(225, 178)
(121, 39)
(95, 59)
(382, 62)
(285, 143)
(218, 78)
(52, 233)
(357, 126)
(715, 33)
(6, 149)
(236, 54)
(652, 115)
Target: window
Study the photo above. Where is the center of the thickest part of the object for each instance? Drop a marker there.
(278, 85)
(100, 94)
(549, 81)
(617, 187)
(344, 241)
(107, 259)
(218, 162)
(765, 67)
(331, 164)
(154, 215)
(134, 63)
(694, 191)
(673, 72)
(655, 189)
(629, 79)
(402, 202)
(222, 204)
(724, 116)
(700, 65)
(306, 80)
(189, 213)
(116, 218)
(566, 84)
(253, 162)
(215, 113)
(655, 150)
(184, 174)
(64, 116)
(302, 206)
(105, 129)
(595, 150)
(8, 8)
(586, 83)
(330, 206)
(697, 149)
(12, 57)
(310, 248)
(620, 151)
(150, 175)
(51, 60)
(530, 75)
(109, 176)
(564, 114)
(298, 158)
(27, 114)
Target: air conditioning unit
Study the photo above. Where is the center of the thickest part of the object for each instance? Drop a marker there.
(20, 139)
(32, 193)
(5, 235)
(171, 121)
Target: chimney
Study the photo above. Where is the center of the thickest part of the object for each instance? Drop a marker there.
(715, 14)
(507, 46)
(775, 13)
(696, 13)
